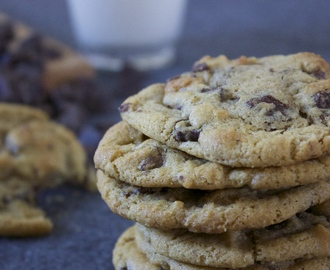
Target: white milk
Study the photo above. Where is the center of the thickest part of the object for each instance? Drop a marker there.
(126, 28)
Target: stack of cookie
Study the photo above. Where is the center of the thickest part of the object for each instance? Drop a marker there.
(224, 167)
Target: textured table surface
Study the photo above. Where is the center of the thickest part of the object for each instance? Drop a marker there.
(85, 230)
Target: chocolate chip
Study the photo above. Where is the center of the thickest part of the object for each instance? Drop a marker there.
(189, 136)
(213, 89)
(319, 74)
(138, 190)
(124, 107)
(200, 67)
(154, 160)
(279, 106)
(324, 117)
(322, 99)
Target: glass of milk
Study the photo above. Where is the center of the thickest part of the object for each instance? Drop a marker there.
(139, 33)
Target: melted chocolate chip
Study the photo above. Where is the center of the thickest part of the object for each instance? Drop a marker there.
(189, 136)
(213, 89)
(319, 74)
(324, 117)
(153, 161)
(200, 67)
(139, 190)
(279, 106)
(124, 107)
(322, 99)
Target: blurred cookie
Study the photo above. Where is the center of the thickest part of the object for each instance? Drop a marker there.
(248, 112)
(125, 153)
(19, 216)
(208, 211)
(44, 152)
(126, 255)
(59, 63)
(35, 154)
(12, 115)
(302, 236)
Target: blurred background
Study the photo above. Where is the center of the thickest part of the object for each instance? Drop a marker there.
(85, 229)
(211, 27)
(233, 28)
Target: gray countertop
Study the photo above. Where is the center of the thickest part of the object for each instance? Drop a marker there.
(85, 229)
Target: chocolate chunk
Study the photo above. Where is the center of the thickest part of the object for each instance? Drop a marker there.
(213, 89)
(200, 67)
(189, 136)
(319, 74)
(279, 106)
(322, 99)
(324, 117)
(154, 160)
(138, 190)
(124, 107)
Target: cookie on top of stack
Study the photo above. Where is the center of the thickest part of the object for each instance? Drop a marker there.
(224, 167)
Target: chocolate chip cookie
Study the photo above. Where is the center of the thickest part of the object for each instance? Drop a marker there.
(248, 112)
(125, 153)
(127, 255)
(19, 215)
(44, 152)
(206, 211)
(35, 154)
(301, 236)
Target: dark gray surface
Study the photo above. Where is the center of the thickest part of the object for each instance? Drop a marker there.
(85, 229)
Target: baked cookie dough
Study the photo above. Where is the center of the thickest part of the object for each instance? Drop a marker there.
(126, 255)
(208, 211)
(19, 216)
(248, 112)
(35, 154)
(125, 153)
(304, 235)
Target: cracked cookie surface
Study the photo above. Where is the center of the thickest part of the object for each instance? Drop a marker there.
(125, 153)
(248, 112)
(205, 211)
(301, 236)
(127, 255)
